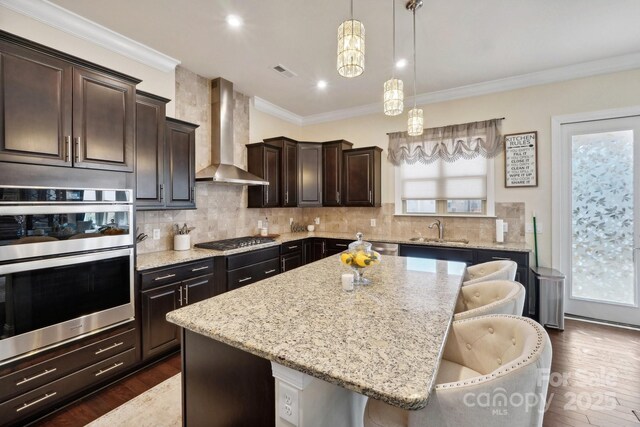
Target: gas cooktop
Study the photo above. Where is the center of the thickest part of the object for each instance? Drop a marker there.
(238, 242)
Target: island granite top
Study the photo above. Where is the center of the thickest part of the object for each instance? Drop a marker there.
(384, 340)
(164, 258)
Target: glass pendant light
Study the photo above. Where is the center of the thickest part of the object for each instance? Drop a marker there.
(415, 123)
(393, 90)
(351, 47)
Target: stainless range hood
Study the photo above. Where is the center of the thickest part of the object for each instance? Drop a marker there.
(222, 168)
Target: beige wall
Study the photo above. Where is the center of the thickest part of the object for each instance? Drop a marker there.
(264, 125)
(526, 109)
(153, 81)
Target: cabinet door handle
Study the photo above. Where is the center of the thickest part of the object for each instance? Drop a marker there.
(180, 296)
(342, 245)
(270, 271)
(41, 374)
(45, 397)
(324, 248)
(286, 197)
(168, 276)
(186, 295)
(77, 149)
(200, 268)
(283, 266)
(114, 345)
(266, 202)
(193, 194)
(500, 258)
(292, 247)
(369, 196)
(67, 148)
(338, 197)
(244, 280)
(114, 366)
(161, 192)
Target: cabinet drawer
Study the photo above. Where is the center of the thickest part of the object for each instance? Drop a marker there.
(446, 254)
(253, 273)
(338, 245)
(522, 258)
(34, 376)
(252, 257)
(47, 395)
(293, 246)
(175, 273)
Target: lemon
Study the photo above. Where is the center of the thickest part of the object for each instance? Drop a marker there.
(346, 258)
(362, 259)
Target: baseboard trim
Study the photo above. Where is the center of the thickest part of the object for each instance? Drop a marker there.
(601, 322)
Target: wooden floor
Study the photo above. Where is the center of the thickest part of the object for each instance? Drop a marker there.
(595, 381)
(98, 404)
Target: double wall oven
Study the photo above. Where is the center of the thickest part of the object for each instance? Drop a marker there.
(66, 265)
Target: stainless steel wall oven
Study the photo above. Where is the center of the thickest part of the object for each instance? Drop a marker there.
(66, 265)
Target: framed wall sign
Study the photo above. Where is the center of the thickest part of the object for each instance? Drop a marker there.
(521, 159)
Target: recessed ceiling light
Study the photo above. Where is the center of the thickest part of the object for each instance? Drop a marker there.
(321, 84)
(234, 21)
(401, 63)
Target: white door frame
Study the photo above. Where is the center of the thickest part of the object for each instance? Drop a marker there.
(560, 177)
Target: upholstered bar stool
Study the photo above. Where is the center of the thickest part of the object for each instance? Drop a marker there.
(491, 297)
(492, 270)
(494, 372)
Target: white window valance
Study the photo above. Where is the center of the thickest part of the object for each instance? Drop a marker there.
(449, 143)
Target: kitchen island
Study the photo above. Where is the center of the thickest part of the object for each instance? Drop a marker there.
(383, 341)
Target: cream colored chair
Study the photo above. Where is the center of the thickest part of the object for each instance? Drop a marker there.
(494, 372)
(492, 270)
(491, 297)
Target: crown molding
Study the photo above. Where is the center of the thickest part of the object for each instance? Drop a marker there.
(554, 75)
(69, 22)
(279, 112)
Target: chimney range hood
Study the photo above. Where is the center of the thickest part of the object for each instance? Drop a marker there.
(222, 168)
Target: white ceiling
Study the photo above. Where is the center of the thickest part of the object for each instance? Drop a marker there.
(460, 42)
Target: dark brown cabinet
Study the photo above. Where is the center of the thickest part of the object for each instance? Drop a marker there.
(249, 267)
(180, 174)
(288, 169)
(309, 174)
(319, 249)
(263, 160)
(167, 289)
(150, 126)
(58, 112)
(291, 255)
(332, 171)
(361, 177)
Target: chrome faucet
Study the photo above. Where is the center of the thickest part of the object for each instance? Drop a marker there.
(440, 225)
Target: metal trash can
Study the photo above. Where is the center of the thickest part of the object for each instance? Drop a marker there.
(550, 302)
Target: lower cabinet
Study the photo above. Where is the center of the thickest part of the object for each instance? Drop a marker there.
(438, 252)
(336, 246)
(248, 267)
(291, 255)
(167, 289)
(36, 385)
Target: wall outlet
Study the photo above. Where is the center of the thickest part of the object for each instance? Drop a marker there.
(156, 234)
(290, 221)
(528, 228)
(317, 220)
(260, 224)
(288, 408)
(373, 222)
(505, 227)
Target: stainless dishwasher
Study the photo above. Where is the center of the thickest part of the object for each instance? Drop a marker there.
(385, 248)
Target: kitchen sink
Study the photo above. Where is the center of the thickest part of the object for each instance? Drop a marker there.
(432, 240)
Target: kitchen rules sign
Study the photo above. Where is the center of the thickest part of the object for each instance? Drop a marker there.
(521, 160)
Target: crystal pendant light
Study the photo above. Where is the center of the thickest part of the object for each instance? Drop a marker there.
(393, 91)
(415, 123)
(351, 47)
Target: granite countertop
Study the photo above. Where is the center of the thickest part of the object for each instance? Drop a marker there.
(164, 258)
(384, 340)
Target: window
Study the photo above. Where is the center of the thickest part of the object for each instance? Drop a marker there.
(463, 187)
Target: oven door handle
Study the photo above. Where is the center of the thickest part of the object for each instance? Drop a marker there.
(41, 264)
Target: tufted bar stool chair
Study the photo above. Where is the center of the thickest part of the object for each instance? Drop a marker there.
(491, 297)
(494, 372)
(492, 270)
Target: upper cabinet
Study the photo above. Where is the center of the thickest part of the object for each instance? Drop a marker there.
(61, 111)
(332, 171)
(150, 126)
(263, 160)
(179, 170)
(288, 169)
(361, 176)
(309, 174)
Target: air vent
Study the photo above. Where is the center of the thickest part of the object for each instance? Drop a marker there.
(284, 71)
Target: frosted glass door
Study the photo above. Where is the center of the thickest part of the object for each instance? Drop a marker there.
(603, 280)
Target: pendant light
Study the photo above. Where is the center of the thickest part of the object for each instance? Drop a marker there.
(393, 91)
(351, 47)
(415, 123)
